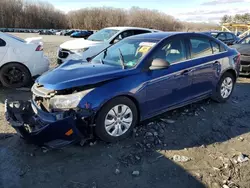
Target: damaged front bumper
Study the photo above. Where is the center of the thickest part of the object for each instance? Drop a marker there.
(54, 130)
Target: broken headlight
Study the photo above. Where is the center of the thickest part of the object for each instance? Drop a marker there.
(68, 101)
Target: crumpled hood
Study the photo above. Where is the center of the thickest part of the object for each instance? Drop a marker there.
(77, 73)
(244, 49)
(78, 44)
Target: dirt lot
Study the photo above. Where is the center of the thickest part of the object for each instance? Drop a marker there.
(209, 136)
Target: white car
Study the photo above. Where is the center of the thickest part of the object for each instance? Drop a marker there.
(82, 49)
(20, 60)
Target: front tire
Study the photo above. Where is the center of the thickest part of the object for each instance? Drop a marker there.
(116, 120)
(224, 88)
(14, 75)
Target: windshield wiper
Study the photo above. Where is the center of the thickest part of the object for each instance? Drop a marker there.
(104, 55)
(121, 59)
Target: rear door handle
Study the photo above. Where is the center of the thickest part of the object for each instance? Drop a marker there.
(216, 63)
(185, 72)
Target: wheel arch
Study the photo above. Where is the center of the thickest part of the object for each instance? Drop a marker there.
(231, 71)
(132, 98)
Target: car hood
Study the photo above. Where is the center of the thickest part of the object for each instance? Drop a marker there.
(78, 44)
(244, 49)
(77, 73)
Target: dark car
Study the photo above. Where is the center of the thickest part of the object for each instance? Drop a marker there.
(69, 32)
(243, 46)
(226, 37)
(45, 32)
(133, 80)
(81, 34)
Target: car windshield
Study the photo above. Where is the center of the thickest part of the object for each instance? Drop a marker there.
(126, 53)
(103, 35)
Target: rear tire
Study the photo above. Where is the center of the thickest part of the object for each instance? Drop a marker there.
(14, 75)
(224, 88)
(116, 120)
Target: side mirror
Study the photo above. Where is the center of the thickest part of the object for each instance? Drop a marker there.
(159, 64)
(116, 40)
(89, 59)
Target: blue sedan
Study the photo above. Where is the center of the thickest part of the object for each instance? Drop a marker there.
(81, 34)
(135, 79)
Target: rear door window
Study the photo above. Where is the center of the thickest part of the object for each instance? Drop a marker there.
(126, 34)
(138, 32)
(200, 47)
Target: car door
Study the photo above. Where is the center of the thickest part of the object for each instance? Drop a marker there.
(168, 87)
(205, 65)
(3, 49)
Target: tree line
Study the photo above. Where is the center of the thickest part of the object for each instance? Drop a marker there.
(32, 15)
(238, 18)
(40, 15)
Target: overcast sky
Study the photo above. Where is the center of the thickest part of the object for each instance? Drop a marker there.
(185, 10)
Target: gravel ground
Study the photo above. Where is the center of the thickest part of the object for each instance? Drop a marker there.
(202, 145)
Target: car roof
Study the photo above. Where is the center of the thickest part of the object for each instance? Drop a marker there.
(163, 35)
(126, 28)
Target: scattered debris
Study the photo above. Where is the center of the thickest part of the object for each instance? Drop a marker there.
(110, 156)
(92, 143)
(179, 158)
(203, 109)
(241, 139)
(203, 146)
(136, 173)
(137, 158)
(45, 150)
(168, 121)
(94, 185)
(117, 171)
(198, 175)
(242, 158)
(215, 185)
(216, 169)
(235, 102)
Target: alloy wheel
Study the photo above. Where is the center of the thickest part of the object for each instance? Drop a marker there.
(226, 87)
(118, 120)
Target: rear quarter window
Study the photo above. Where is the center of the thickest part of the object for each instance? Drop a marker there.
(215, 47)
(2, 43)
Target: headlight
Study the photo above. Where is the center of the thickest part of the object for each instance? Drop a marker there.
(78, 51)
(68, 101)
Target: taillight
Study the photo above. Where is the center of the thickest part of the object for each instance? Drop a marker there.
(39, 48)
(237, 59)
